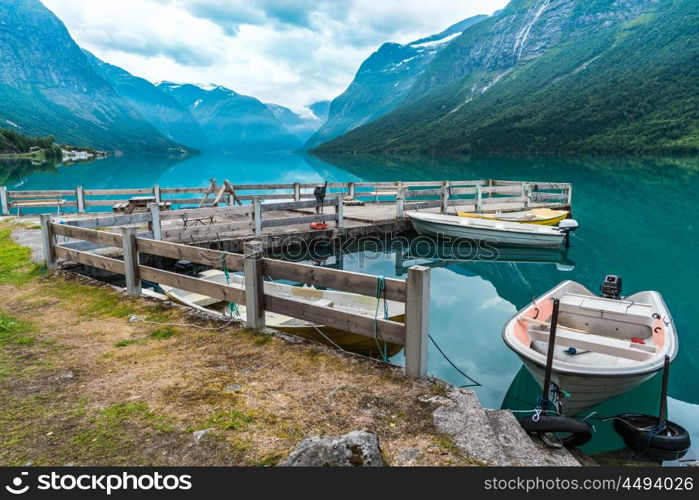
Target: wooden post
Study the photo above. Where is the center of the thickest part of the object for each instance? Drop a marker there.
(445, 197)
(350, 190)
(570, 196)
(4, 202)
(80, 198)
(156, 193)
(254, 285)
(154, 225)
(400, 202)
(479, 198)
(48, 241)
(417, 321)
(257, 215)
(297, 191)
(527, 193)
(339, 210)
(399, 261)
(133, 279)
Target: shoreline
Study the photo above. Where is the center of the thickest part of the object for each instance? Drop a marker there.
(129, 390)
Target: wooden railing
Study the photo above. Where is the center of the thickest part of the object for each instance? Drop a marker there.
(406, 195)
(199, 224)
(414, 292)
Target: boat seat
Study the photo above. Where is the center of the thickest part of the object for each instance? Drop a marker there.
(601, 308)
(595, 343)
(199, 299)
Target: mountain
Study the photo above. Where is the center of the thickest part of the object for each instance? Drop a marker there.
(47, 86)
(321, 109)
(383, 81)
(299, 126)
(163, 111)
(232, 121)
(553, 76)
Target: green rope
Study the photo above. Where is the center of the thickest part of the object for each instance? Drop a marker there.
(224, 267)
(380, 290)
(232, 306)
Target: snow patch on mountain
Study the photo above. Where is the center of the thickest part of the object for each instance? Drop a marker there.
(436, 43)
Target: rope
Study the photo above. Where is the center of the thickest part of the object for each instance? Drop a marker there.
(380, 290)
(133, 318)
(326, 337)
(473, 382)
(232, 306)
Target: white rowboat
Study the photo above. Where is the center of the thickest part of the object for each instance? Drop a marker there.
(617, 344)
(495, 232)
(345, 301)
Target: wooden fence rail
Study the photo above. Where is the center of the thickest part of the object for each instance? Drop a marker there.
(414, 292)
(256, 212)
(426, 193)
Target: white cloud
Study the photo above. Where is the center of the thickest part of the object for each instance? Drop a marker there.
(291, 52)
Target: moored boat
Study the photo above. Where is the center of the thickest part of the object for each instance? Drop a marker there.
(495, 232)
(541, 216)
(604, 346)
(358, 304)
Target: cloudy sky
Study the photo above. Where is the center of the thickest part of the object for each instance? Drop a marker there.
(290, 52)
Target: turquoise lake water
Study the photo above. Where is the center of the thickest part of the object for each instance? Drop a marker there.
(638, 219)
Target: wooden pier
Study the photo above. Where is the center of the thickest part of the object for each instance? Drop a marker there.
(241, 225)
(229, 213)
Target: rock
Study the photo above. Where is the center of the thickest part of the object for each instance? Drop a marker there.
(493, 437)
(233, 388)
(408, 456)
(433, 400)
(465, 421)
(357, 448)
(521, 449)
(199, 435)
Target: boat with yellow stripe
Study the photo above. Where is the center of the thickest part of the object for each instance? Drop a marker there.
(541, 216)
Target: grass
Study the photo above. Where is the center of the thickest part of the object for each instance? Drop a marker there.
(110, 433)
(87, 386)
(163, 333)
(99, 302)
(230, 420)
(15, 261)
(13, 334)
(127, 342)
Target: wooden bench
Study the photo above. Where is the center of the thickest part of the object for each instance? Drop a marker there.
(38, 203)
(377, 194)
(139, 206)
(594, 343)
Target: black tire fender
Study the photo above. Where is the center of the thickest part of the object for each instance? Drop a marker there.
(580, 432)
(670, 444)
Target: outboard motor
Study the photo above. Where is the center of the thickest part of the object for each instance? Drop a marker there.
(319, 192)
(567, 226)
(185, 267)
(611, 287)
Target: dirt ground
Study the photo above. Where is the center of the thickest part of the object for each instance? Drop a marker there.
(82, 383)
